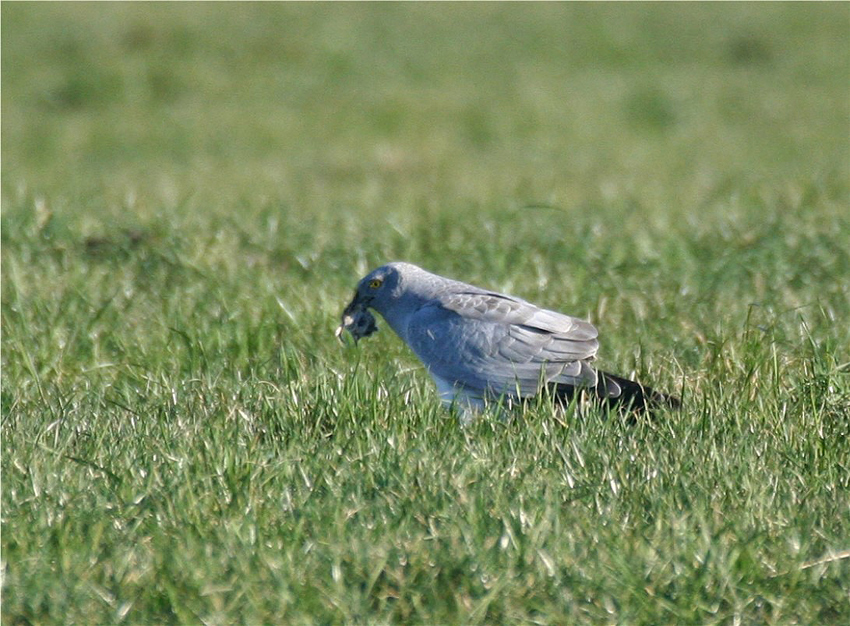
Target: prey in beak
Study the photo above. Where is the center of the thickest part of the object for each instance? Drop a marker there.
(357, 320)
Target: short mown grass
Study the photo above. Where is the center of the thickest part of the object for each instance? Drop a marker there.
(189, 195)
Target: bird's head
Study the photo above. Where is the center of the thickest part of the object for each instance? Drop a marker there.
(377, 290)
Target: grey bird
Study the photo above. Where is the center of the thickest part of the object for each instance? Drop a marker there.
(483, 347)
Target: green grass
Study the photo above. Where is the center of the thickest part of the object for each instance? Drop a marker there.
(189, 195)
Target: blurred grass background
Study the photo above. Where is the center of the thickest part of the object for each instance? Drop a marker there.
(395, 104)
(190, 192)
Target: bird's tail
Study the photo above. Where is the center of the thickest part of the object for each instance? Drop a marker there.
(627, 393)
(622, 393)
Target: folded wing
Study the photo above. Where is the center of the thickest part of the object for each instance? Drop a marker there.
(495, 344)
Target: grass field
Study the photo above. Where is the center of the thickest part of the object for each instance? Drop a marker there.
(190, 193)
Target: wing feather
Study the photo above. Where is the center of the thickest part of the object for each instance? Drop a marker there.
(496, 344)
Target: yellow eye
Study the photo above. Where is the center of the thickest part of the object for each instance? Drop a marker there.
(375, 283)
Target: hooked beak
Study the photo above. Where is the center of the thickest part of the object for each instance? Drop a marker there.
(348, 316)
(357, 320)
(356, 305)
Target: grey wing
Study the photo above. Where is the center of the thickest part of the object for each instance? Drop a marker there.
(497, 344)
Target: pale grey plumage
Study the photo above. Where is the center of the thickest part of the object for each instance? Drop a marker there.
(477, 344)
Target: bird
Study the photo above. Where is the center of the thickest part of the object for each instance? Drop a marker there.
(485, 348)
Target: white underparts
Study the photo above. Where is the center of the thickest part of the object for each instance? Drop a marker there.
(467, 403)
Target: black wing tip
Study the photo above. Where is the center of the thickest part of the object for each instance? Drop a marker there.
(622, 394)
